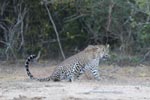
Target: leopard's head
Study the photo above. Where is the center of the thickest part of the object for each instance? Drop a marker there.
(98, 51)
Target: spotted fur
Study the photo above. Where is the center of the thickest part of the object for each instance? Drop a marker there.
(76, 65)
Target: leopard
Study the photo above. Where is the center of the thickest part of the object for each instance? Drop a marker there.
(73, 67)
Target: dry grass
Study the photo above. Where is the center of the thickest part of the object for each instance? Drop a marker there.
(117, 83)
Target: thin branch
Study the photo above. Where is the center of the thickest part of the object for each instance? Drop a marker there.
(110, 15)
(38, 56)
(75, 17)
(3, 7)
(145, 56)
(55, 29)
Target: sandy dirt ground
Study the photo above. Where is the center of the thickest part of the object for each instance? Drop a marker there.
(117, 83)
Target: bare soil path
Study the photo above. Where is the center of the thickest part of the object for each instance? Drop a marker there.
(117, 83)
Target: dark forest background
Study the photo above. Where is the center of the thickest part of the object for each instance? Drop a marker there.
(60, 28)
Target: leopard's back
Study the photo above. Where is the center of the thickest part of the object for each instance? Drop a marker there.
(71, 66)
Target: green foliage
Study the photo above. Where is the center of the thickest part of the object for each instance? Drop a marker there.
(145, 35)
(124, 24)
(122, 59)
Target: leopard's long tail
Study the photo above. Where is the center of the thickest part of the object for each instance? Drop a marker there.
(31, 57)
